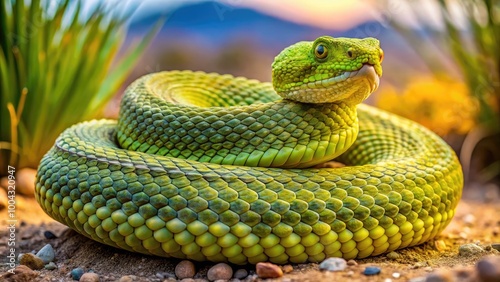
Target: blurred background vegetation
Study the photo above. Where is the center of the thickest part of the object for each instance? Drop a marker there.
(61, 62)
(463, 107)
(57, 68)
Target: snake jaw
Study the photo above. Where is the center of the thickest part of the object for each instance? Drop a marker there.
(350, 87)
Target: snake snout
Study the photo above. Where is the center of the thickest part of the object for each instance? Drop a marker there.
(370, 75)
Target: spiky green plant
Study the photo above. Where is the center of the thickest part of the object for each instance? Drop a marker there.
(57, 67)
(473, 46)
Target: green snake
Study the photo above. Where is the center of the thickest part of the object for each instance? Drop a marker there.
(212, 167)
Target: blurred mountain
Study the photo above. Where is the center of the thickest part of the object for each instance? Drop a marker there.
(219, 24)
(213, 36)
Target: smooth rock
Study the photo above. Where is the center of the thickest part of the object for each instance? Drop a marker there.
(32, 261)
(440, 245)
(352, 262)
(49, 235)
(77, 273)
(89, 277)
(22, 273)
(469, 219)
(128, 278)
(393, 255)
(287, 268)
(240, 273)
(333, 264)
(185, 269)
(220, 271)
(371, 270)
(46, 253)
(268, 270)
(4, 202)
(25, 181)
(50, 266)
(488, 269)
(469, 249)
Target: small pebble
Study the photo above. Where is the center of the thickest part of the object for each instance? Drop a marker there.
(187, 280)
(89, 277)
(440, 276)
(46, 253)
(77, 273)
(419, 265)
(469, 219)
(50, 266)
(396, 275)
(165, 275)
(440, 245)
(393, 255)
(220, 271)
(287, 268)
(496, 246)
(469, 249)
(350, 273)
(333, 264)
(352, 262)
(371, 270)
(268, 270)
(32, 261)
(428, 269)
(49, 235)
(387, 280)
(26, 182)
(185, 269)
(240, 273)
(128, 278)
(495, 231)
(488, 269)
(21, 273)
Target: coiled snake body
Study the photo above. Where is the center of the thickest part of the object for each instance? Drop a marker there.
(217, 168)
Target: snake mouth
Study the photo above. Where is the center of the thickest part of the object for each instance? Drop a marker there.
(351, 87)
(366, 72)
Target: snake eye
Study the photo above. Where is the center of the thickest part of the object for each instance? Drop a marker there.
(349, 53)
(321, 51)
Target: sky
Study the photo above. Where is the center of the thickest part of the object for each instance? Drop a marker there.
(341, 14)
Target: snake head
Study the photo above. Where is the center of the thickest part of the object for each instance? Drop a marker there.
(329, 70)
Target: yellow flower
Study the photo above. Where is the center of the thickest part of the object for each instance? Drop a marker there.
(439, 103)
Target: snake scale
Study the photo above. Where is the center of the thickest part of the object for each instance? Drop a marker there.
(220, 168)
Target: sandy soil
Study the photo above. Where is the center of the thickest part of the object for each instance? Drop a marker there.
(476, 221)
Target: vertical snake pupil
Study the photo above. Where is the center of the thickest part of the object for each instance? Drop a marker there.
(320, 51)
